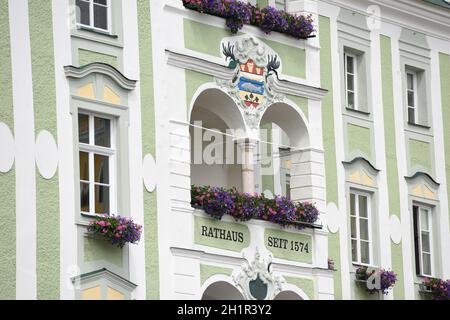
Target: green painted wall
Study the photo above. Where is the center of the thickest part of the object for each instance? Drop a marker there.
(359, 140)
(207, 39)
(193, 81)
(391, 156)
(306, 285)
(203, 38)
(329, 143)
(100, 249)
(7, 180)
(207, 271)
(444, 62)
(148, 146)
(47, 191)
(86, 57)
(293, 59)
(420, 154)
(301, 102)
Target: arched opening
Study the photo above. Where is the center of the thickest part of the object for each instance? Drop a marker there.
(215, 123)
(222, 290)
(287, 295)
(283, 132)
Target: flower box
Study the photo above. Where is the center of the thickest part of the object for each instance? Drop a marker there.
(268, 19)
(115, 229)
(217, 202)
(386, 279)
(438, 289)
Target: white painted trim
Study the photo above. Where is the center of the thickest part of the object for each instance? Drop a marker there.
(405, 215)
(68, 231)
(443, 234)
(333, 12)
(132, 69)
(382, 208)
(26, 232)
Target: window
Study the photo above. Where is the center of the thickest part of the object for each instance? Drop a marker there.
(351, 81)
(97, 161)
(94, 14)
(280, 4)
(411, 96)
(360, 226)
(423, 235)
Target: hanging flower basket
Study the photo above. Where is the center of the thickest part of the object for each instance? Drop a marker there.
(268, 19)
(217, 202)
(438, 289)
(116, 229)
(386, 279)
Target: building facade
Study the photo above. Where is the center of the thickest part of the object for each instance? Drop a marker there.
(126, 107)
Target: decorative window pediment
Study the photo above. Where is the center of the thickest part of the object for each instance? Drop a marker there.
(422, 185)
(361, 171)
(103, 284)
(99, 81)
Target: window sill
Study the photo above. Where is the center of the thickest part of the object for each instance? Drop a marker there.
(419, 125)
(366, 113)
(97, 31)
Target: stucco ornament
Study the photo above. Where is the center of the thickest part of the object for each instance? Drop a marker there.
(256, 281)
(46, 154)
(6, 148)
(256, 65)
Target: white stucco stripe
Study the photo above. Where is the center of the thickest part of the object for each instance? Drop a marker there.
(131, 70)
(24, 138)
(68, 237)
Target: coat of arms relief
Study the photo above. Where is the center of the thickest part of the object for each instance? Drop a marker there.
(256, 67)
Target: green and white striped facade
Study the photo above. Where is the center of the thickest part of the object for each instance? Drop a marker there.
(159, 69)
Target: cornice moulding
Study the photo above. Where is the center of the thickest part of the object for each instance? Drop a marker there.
(185, 59)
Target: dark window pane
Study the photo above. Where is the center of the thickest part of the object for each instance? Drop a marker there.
(411, 102)
(84, 196)
(353, 227)
(84, 166)
(351, 100)
(363, 206)
(100, 2)
(411, 116)
(102, 132)
(350, 64)
(83, 12)
(352, 204)
(364, 229)
(425, 241)
(354, 251)
(426, 263)
(416, 239)
(83, 128)
(365, 254)
(101, 17)
(101, 199)
(101, 167)
(350, 82)
(410, 81)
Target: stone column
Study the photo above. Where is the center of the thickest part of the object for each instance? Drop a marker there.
(247, 148)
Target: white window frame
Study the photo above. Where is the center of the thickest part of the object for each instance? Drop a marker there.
(368, 196)
(355, 80)
(415, 107)
(91, 17)
(111, 153)
(430, 236)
